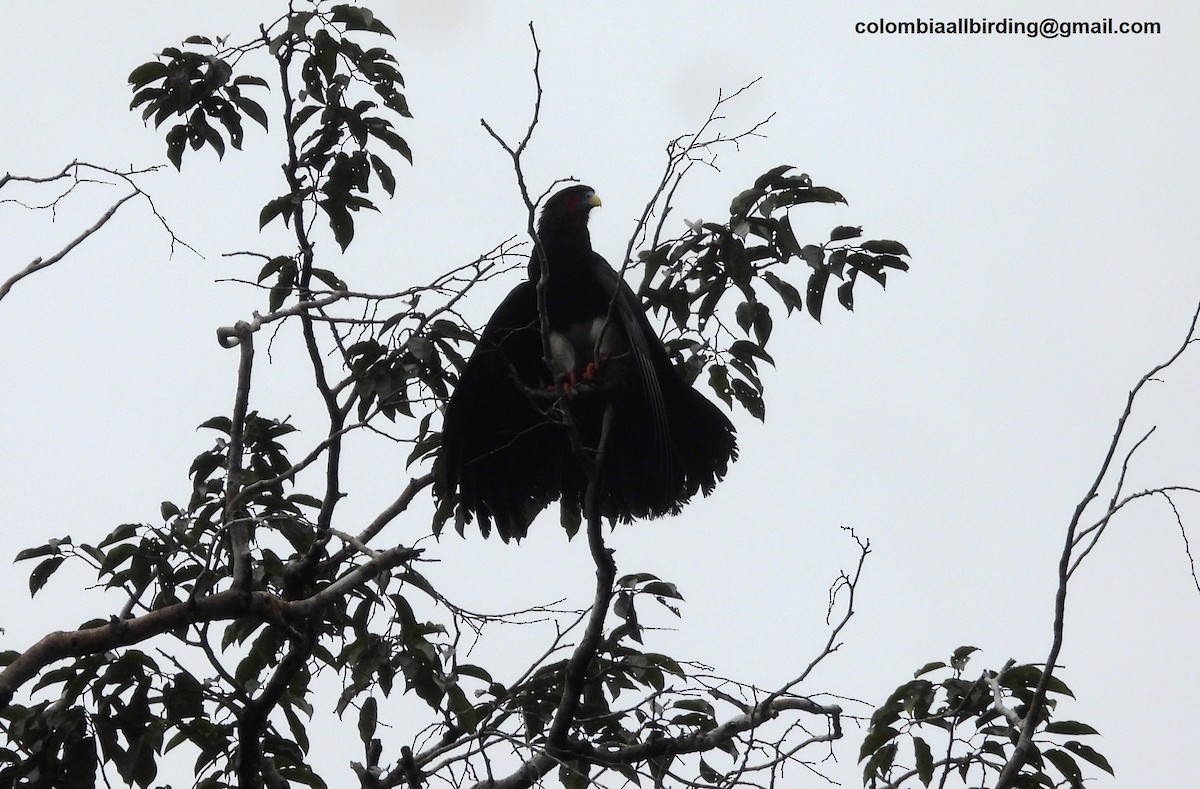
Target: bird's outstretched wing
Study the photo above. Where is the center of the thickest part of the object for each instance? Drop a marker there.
(667, 441)
(501, 452)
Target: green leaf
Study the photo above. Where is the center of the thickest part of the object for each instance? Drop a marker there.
(329, 278)
(762, 323)
(1070, 727)
(748, 351)
(470, 670)
(696, 705)
(845, 294)
(49, 549)
(885, 247)
(771, 177)
(718, 380)
(147, 73)
(961, 655)
(876, 738)
(1065, 764)
(253, 109)
(786, 290)
(1028, 676)
(925, 669)
(119, 534)
(368, 716)
(305, 500)
(42, 573)
(749, 398)
(881, 762)
(176, 140)
(816, 293)
(248, 79)
(662, 589)
(340, 221)
(221, 423)
(574, 775)
(384, 173)
(1090, 754)
(891, 261)
(756, 316)
(274, 266)
(843, 232)
(924, 760)
(741, 205)
(744, 314)
(282, 205)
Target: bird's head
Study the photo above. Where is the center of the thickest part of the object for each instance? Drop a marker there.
(567, 210)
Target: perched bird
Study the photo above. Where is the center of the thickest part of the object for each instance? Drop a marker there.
(506, 440)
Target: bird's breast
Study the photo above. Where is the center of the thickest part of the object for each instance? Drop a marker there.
(596, 341)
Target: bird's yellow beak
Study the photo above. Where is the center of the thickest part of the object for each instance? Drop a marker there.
(594, 200)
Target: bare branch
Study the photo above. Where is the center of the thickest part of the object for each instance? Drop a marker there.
(1187, 546)
(230, 336)
(239, 526)
(1065, 568)
(75, 173)
(37, 264)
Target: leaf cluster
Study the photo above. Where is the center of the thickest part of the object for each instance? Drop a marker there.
(692, 278)
(198, 87)
(971, 727)
(329, 122)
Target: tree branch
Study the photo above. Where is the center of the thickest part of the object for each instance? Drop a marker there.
(1020, 755)
(230, 604)
(37, 264)
(239, 524)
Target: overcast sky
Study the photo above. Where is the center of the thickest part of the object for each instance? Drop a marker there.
(1045, 187)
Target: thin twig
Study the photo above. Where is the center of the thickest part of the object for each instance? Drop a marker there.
(1020, 754)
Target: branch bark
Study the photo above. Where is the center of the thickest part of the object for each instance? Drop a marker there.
(227, 605)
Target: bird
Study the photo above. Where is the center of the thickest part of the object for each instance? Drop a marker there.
(507, 437)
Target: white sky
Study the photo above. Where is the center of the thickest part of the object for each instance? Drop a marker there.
(1047, 191)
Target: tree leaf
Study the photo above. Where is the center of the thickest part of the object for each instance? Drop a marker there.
(845, 294)
(881, 762)
(924, 760)
(1090, 754)
(885, 247)
(1065, 764)
(1069, 727)
(925, 669)
(741, 205)
(42, 573)
(816, 293)
(786, 290)
(961, 655)
(253, 109)
(147, 73)
(368, 717)
(282, 205)
(662, 589)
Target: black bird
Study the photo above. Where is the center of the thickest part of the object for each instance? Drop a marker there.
(506, 448)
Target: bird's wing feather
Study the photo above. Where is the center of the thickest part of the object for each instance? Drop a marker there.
(491, 421)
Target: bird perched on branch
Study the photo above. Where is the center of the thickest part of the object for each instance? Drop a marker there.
(534, 408)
